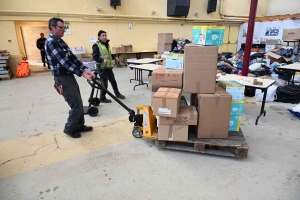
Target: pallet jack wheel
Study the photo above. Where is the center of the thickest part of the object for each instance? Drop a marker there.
(137, 133)
(92, 111)
(95, 101)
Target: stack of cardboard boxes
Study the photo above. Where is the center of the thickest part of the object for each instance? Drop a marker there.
(237, 105)
(164, 42)
(211, 107)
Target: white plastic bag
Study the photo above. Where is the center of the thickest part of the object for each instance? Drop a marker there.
(296, 108)
(271, 94)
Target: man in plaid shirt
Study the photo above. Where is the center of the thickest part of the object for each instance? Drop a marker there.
(64, 65)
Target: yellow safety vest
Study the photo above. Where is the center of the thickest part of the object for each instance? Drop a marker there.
(105, 54)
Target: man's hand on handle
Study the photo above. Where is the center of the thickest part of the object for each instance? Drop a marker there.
(88, 75)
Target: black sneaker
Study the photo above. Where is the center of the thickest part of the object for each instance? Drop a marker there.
(73, 134)
(120, 96)
(44, 65)
(105, 100)
(84, 129)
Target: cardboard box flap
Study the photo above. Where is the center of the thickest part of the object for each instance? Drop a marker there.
(126, 45)
(274, 55)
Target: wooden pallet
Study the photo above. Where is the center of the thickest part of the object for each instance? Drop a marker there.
(7, 78)
(234, 146)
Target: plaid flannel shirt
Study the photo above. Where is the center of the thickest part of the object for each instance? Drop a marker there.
(61, 58)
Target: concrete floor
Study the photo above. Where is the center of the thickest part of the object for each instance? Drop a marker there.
(38, 161)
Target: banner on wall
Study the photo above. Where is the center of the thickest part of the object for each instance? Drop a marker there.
(266, 31)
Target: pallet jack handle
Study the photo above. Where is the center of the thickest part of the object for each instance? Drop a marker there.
(97, 83)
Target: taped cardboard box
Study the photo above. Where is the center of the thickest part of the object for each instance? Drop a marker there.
(214, 115)
(164, 47)
(165, 38)
(200, 66)
(115, 50)
(187, 115)
(128, 47)
(166, 102)
(162, 77)
(291, 34)
(234, 88)
(173, 132)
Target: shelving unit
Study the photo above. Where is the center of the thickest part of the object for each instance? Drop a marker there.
(5, 71)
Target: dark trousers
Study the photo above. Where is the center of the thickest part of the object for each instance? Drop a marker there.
(108, 75)
(43, 54)
(73, 98)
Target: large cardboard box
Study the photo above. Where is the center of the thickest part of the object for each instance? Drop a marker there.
(115, 50)
(166, 77)
(165, 38)
(200, 66)
(291, 34)
(187, 115)
(214, 114)
(128, 47)
(166, 102)
(164, 47)
(174, 61)
(234, 88)
(234, 123)
(173, 132)
(208, 35)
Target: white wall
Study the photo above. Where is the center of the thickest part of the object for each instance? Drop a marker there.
(261, 27)
(281, 7)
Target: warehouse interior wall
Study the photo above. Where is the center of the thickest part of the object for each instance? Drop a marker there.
(85, 21)
(282, 7)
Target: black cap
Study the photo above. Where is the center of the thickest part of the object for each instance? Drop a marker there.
(100, 32)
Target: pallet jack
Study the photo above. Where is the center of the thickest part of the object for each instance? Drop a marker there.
(145, 123)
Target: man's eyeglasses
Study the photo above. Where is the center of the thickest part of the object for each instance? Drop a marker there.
(61, 27)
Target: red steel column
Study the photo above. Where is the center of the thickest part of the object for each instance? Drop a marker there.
(251, 24)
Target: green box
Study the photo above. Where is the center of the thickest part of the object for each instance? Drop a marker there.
(208, 35)
(234, 123)
(234, 88)
(237, 107)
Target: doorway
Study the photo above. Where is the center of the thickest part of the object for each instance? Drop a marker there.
(27, 34)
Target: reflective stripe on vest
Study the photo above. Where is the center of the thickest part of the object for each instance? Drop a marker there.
(105, 54)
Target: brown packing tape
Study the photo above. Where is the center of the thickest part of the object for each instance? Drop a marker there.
(217, 98)
(170, 133)
(164, 99)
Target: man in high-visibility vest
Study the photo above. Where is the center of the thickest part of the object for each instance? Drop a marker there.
(104, 63)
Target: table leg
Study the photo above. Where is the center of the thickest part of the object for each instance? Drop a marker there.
(262, 110)
(136, 71)
(140, 77)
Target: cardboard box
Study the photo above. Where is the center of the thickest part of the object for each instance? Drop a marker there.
(174, 61)
(166, 102)
(173, 132)
(128, 47)
(165, 38)
(291, 34)
(277, 58)
(200, 66)
(214, 115)
(208, 35)
(187, 115)
(237, 107)
(166, 77)
(115, 50)
(234, 123)
(234, 88)
(164, 47)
